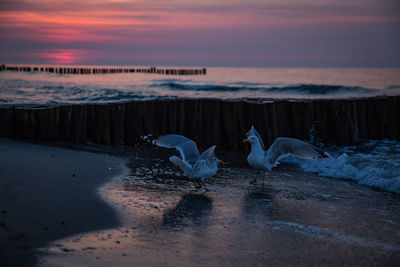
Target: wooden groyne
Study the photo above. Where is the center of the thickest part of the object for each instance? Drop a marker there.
(224, 123)
(104, 70)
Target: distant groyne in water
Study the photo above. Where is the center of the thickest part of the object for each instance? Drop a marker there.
(208, 121)
(103, 70)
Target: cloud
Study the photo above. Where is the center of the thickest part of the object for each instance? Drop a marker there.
(187, 30)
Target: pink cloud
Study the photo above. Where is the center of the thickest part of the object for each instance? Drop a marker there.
(174, 29)
(60, 56)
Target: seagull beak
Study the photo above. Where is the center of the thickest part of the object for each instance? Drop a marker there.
(221, 163)
(246, 140)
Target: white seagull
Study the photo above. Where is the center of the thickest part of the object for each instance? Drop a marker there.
(282, 147)
(193, 165)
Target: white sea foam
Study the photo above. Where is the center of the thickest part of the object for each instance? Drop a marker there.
(375, 164)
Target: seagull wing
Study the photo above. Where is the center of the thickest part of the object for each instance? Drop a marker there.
(208, 154)
(185, 167)
(283, 147)
(205, 160)
(186, 147)
(253, 131)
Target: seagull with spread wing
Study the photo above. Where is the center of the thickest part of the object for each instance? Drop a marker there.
(193, 165)
(282, 147)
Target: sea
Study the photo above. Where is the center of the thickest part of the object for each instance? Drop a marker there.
(375, 163)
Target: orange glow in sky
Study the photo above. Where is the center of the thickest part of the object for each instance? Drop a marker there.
(209, 32)
(60, 56)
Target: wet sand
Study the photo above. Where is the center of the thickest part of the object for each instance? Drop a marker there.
(294, 218)
(48, 193)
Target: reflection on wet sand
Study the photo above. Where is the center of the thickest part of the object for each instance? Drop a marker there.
(236, 224)
(191, 209)
(259, 201)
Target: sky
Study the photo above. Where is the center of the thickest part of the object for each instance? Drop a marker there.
(225, 33)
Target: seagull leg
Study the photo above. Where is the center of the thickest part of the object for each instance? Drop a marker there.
(199, 185)
(204, 186)
(263, 176)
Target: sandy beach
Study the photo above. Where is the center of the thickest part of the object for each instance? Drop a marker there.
(47, 193)
(90, 89)
(153, 216)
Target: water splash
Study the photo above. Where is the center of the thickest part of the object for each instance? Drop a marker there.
(375, 164)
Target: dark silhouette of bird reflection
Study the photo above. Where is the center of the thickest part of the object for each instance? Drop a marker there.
(260, 202)
(192, 209)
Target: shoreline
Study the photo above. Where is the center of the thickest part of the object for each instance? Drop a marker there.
(49, 193)
(156, 218)
(295, 218)
(248, 100)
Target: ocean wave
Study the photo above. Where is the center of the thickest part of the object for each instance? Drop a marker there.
(40, 87)
(310, 89)
(375, 164)
(47, 87)
(228, 84)
(393, 87)
(320, 89)
(202, 87)
(103, 95)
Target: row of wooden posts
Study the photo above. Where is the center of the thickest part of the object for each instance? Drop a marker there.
(208, 121)
(103, 70)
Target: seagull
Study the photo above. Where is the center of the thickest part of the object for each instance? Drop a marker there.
(282, 147)
(194, 166)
